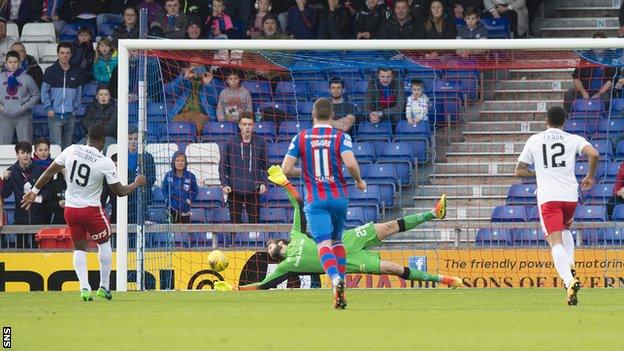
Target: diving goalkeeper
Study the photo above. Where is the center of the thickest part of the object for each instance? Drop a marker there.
(298, 255)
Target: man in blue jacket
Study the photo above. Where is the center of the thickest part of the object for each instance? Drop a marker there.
(61, 93)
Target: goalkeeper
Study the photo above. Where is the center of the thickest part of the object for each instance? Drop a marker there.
(298, 255)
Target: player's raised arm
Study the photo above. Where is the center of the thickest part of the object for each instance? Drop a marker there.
(278, 177)
(123, 190)
(47, 175)
(593, 156)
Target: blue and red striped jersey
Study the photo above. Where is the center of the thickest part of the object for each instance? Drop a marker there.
(320, 149)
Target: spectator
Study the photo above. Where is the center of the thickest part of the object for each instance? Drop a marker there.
(459, 7)
(113, 11)
(418, 9)
(336, 22)
(195, 94)
(618, 191)
(591, 81)
(102, 110)
(344, 111)
(53, 11)
(18, 95)
(515, 10)
(84, 13)
(302, 21)
(154, 9)
(417, 108)
(239, 10)
(620, 32)
(149, 170)
(234, 99)
(219, 24)
(82, 54)
(5, 41)
(368, 19)
(16, 11)
(129, 29)
(105, 61)
(242, 171)
(180, 189)
(437, 25)
(54, 196)
(194, 28)
(473, 29)
(618, 88)
(401, 25)
(171, 21)
(61, 93)
(18, 180)
(255, 20)
(385, 97)
(28, 63)
(270, 29)
(41, 154)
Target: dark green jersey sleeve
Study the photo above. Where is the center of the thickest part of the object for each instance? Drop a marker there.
(299, 221)
(281, 273)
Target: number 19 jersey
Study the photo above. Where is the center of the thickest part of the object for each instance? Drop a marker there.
(85, 169)
(553, 153)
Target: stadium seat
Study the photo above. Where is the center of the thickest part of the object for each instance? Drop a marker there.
(617, 107)
(581, 168)
(209, 197)
(49, 53)
(374, 132)
(273, 215)
(604, 148)
(591, 236)
(318, 89)
(198, 215)
(107, 29)
(181, 132)
(219, 215)
(408, 131)
(157, 214)
(299, 89)
(364, 152)
(259, 89)
(276, 197)
(446, 89)
(619, 151)
(157, 196)
(161, 240)
(355, 217)
(609, 128)
(498, 28)
(346, 74)
(203, 153)
(200, 239)
(400, 151)
(599, 194)
(493, 237)
(522, 194)
(618, 213)
(277, 151)
(589, 108)
(288, 129)
(529, 237)
(266, 130)
(380, 173)
(533, 214)
(590, 214)
(371, 213)
(577, 126)
(356, 89)
(69, 32)
(38, 32)
(509, 214)
(610, 170)
(613, 236)
(207, 174)
(304, 108)
(219, 131)
(372, 196)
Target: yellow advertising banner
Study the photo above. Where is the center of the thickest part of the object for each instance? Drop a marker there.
(186, 270)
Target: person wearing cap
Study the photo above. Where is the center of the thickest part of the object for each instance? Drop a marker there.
(5, 41)
(270, 29)
(194, 28)
(83, 54)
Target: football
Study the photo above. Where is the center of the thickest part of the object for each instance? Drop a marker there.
(218, 260)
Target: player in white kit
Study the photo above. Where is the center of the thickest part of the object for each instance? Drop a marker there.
(86, 168)
(553, 153)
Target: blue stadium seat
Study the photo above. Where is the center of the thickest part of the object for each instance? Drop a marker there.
(273, 215)
(380, 173)
(304, 108)
(277, 151)
(157, 214)
(210, 197)
(200, 239)
(590, 214)
(400, 151)
(577, 126)
(219, 131)
(364, 152)
(355, 217)
(498, 28)
(371, 213)
(509, 214)
(445, 112)
(219, 215)
(276, 197)
(609, 171)
(318, 89)
(198, 215)
(374, 131)
(372, 196)
(581, 168)
(69, 32)
(599, 194)
(260, 90)
(446, 89)
(591, 236)
(156, 109)
(298, 89)
(604, 148)
(493, 237)
(617, 107)
(403, 172)
(408, 131)
(387, 193)
(271, 109)
(288, 129)
(613, 236)
(346, 74)
(181, 132)
(529, 237)
(266, 130)
(619, 151)
(107, 29)
(609, 128)
(356, 89)
(618, 213)
(89, 91)
(522, 194)
(161, 240)
(590, 108)
(533, 214)
(157, 195)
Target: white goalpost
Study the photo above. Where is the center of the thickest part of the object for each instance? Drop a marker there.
(126, 47)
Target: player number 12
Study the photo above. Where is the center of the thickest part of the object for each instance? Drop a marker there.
(554, 163)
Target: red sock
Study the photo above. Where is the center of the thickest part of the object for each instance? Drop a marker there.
(341, 259)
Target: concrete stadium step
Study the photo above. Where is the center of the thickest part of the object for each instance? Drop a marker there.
(582, 11)
(531, 84)
(505, 126)
(539, 73)
(475, 168)
(486, 147)
(472, 179)
(490, 157)
(577, 32)
(497, 136)
(470, 213)
(584, 3)
(519, 105)
(584, 22)
(433, 192)
(526, 115)
(529, 94)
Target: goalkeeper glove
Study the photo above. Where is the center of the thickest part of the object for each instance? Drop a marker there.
(222, 286)
(277, 176)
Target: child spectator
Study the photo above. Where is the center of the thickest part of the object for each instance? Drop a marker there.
(103, 111)
(105, 61)
(82, 54)
(254, 23)
(18, 95)
(179, 189)
(234, 99)
(54, 196)
(42, 152)
(219, 24)
(28, 63)
(473, 29)
(417, 108)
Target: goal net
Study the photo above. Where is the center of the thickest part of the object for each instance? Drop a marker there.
(454, 118)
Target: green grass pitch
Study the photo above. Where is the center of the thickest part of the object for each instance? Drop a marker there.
(463, 319)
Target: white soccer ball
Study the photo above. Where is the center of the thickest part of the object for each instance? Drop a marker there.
(218, 261)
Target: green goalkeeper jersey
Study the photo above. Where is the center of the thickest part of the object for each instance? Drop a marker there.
(302, 252)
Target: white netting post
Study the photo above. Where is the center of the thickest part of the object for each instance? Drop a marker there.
(122, 167)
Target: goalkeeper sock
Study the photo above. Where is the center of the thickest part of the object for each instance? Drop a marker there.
(568, 245)
(328, 261)
(412, 221)
(415, 274)
(80, 266)
(341, 258)
(562, 263)
(105, 255)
